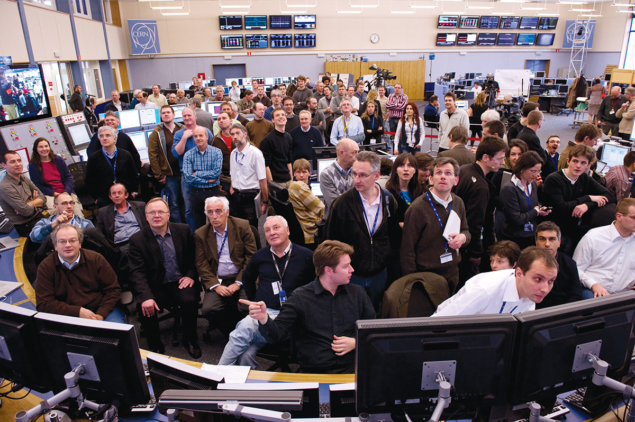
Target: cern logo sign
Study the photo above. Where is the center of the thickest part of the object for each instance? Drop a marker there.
(579, 33)
(144, 37)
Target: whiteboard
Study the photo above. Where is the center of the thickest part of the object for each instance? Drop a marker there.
(512, 81)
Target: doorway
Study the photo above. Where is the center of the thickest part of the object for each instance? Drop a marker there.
(220, 72)
(537, 66)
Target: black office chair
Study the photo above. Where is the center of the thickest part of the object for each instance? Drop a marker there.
(78, 171)
(282, 354)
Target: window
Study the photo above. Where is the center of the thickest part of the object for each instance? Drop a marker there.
(629, 61)
(47, 3)
(81, 7)
(107, 13)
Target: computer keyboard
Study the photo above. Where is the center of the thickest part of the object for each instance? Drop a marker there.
(576, 400)
(145, 408)
(325, 410)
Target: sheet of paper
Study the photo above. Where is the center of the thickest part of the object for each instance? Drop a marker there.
(452, 226)
(7, 287)
(233, 374)
(258, 204)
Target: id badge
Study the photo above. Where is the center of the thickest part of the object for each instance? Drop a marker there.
(529, 227)
(373, 141)
(612, 112)
(446, 257)
(283, 296)
(276, 287)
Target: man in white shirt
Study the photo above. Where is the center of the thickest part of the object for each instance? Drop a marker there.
(116, 104)
(347, 125)
(451, 117)
(143, 103)
(157, 98)
(606, 255)
(506, 291)
(350, 94)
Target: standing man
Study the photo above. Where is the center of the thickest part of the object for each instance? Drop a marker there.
(318, 120)
(607, 115)
(7, 90)
(360, 94)
(231, 109)
(627, 114)
(336, 178)
(203, 118)
(552, 156)
(262, 97)
(116, 104)
(292, 119)
(324, 104)
(248, 175)
(220, 94)
(528, 133)
(319, 91)
(347, 125)
(223, 141)
(381, 90)
(396, 105)
(423, 246)
(587, 134)
(450, 117)
(258, 128)
(305, 137)
(157, 98)
(165, 166)
(276, 102)
(276, 150)
(337, 100)
(143, 103)
(350, 94)
(180, 97)
(123, 141)
(76, 102)
(300, 95)
(162, 273)
(246, 104)
(431, 112)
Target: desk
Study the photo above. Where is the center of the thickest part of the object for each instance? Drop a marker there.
(547, 102)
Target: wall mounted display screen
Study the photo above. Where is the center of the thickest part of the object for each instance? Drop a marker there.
(545, 39)
(485, 38)
(466, 39)
(548, 23)
(256, 41)
(231, 42)
(509, 22)
(448, 21)
(529, 22)
(468, 22)
(230, 22)
(506, 39)
(281, 41)
(526, 39)
(23, 95)
(446, 39)
(304, 22)
(279, 22)
(489, 22)
(304, 40)
(256, 22)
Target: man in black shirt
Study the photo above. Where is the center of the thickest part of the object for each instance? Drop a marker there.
(515, 129)
(123, 141)
(607, 115)
(321, 316)
(276, 149)
(528, 134)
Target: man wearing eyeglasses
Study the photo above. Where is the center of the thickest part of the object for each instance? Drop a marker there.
(63, 205)
(77, 282)
(163, 274)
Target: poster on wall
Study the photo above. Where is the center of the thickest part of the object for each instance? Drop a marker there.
(579, 31)
(144, 37)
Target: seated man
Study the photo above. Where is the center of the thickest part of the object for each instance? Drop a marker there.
(162, 273)
(567, 287)
(118, 222)
(20, 199)
(223, 250)
(606, 255)
(77, 282)
(277, 280)
(324, 338)
(503, 255)
(307, 207)
(618, 178)
(508, 291)
(63, 206)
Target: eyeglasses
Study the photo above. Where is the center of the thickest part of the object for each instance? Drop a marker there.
(444, 173)
(632, 217)
(72, 241)
(159, 213)
(360, 175)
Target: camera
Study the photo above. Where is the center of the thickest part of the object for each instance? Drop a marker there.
(381, 75)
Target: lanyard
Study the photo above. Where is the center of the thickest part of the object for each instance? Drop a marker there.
(405, 198)
(242, 158)
(113, 167)
(613, 104)
(437, 214)
(372, 231)
(284, 270)
(345, 123)
(412, 130)
(528, 197)
(503, 307)
(222, 245)
(553, 160)
(372, 123)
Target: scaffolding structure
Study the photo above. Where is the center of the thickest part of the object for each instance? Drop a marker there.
(579, 35)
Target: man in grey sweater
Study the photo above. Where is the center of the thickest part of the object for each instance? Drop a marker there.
(300, 95)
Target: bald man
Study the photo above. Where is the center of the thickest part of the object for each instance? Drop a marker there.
(607, 116)
(336, 178)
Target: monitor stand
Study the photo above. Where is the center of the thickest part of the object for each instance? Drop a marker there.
(600, 368)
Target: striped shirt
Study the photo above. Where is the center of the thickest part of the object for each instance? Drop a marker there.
(617, 180)
(396, 105)
(334, 181)
(308, 209)
(207, 165)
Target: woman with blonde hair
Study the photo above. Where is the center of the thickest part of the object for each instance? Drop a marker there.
(372, 96)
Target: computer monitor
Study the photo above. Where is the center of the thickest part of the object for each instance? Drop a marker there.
(80, 135)
(563, 89)
(526, 39)
(230, 22)
(168, 374)
(462, 104)
(528, 22)
(148, 133)
(374, 147)
(468, 83)
(323, 152)
(506, 39)
(316, 189)
(486, 38)
(178, 112)
(323, 163)
(20, 354)
(139, 140)
(398, 361)
(545, 39)
(110, 352)
(541, 74)
(447, 22)
(468, 22)
(561, 82)
(613, 155)
(129, 119)
(214, 108)
(466, 39)
(149, 117)
(256, 22)
(552, 343)
(279, 22)
(509, 22)
(446, 39)
(536, 82)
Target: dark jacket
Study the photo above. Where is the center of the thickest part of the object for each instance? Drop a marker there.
(76, 102)
(514, 130)
(474, 189)
(217, 141)
(145, 259)
(567, 287)
(346, 223)
(373, 125)
(91, 118)
(461, 154)
(123, 142)
(397, 298)
(362, 109)
(608, 104)
(111, 107)
(517, 213)
(37, 177)
(550, 166)
(531, 139)
(100, 177)
(106, 218)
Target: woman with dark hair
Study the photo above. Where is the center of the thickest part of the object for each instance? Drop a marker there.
(479, 107)
(424, 162)
(410, 132)
(594, 94)
(373, 125)
(404, 183)
(50, 174)
(519, 199)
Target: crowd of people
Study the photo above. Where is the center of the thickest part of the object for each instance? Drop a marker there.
(507, 226)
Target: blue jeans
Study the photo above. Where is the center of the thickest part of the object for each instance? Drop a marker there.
(185, 190)
(116, 316)
(406, 148)
(587, 294)
(374, 286)
(173, 189)
(245, 341)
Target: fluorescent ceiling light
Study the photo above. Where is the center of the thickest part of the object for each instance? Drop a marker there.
(575, 3)
(592, 16)
(305, 5)
(532, 8)
(624, 11)
(582, 10)
(623, 4)
(364, 5)
(235, 7)
(288, 12)
(514, 1)
(548, 14)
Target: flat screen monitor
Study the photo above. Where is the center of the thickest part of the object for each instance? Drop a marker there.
(129, 119)
(323, 163)
(526, 39)
(374, 148)
(398, 360)
(80, 135)
(545, 39)
(229, 23)
(536, 82)
(148, 133)
(139, 140)
(316, 189)
(231, 42)
(23, 94)
(548, 23)
(486, 38)
(178, 111)
(466, 39)
(310, 399)
(541, 74)
(149, 117)
(489, 22)
(509, 22)
(168, 374)
(279, 22)
(548, 362)
(607, 77)
(506, 38)
(256, 41)
(468, 22)
(115, 371)
(468, 83)
(255, 21)
(304, 22)
(447, 22)
(269, 81)
(446, 39)
(214, 108)
(563, 89)
(613, 155)
(561, 81)
(528, 22)
(304, 40)
(259, 81)
(281, 41)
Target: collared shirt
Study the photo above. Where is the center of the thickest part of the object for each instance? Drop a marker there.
(516, 181)
(43, 227)
(396, 104)
(372, 212)
(110, 156)
(148, 105)
(14, 197)
(411, 132)
(441, 201)
(354, 126)
(286, 250)
(207, 165)
(617, 180)
(166, 243)
(488, 293)
(117, 105)
(605, 257)
(189, 144)
(226, 266)
(159, 100)
(247, 168)
(126, 224)
(72, 264)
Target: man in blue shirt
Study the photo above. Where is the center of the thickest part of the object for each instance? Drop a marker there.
(63, 206)
(431, 112)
